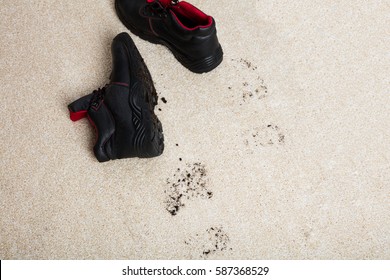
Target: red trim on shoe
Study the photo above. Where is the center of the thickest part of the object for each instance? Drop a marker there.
(75, 116)
(191, 28)
(119, 84)
(163, 2)
(187, 10)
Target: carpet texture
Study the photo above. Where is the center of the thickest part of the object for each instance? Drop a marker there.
(282, 152)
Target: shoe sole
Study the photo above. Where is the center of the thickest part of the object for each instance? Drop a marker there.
(199, 66)
(144, 119)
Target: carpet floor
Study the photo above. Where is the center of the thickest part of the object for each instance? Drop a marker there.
(283, 150)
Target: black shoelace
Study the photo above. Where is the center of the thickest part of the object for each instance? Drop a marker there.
(98, 97)
(155, 8)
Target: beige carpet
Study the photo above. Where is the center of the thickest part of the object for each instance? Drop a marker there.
(284, 149)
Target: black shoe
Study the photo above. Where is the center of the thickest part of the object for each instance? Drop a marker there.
(188, 32)
(123, 111)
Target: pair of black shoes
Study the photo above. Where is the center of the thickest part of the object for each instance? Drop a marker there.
(123, 111)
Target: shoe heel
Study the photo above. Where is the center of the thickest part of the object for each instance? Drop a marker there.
(202, 65)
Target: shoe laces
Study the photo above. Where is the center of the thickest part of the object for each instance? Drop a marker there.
(155, 8)
(97, 98)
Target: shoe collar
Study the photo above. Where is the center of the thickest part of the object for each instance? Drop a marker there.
(187, 16)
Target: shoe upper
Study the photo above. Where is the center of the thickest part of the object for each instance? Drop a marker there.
(120, 73)
(180, 24)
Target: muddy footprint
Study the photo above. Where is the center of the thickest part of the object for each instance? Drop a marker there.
(185, 184)
(264, 136)
(211, 242)
(252, 87)
(254, 90)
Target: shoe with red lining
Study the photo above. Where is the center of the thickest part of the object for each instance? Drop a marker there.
(122, 112)
(188, 32)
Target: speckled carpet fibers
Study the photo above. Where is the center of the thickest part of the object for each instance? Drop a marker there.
(282, 152)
